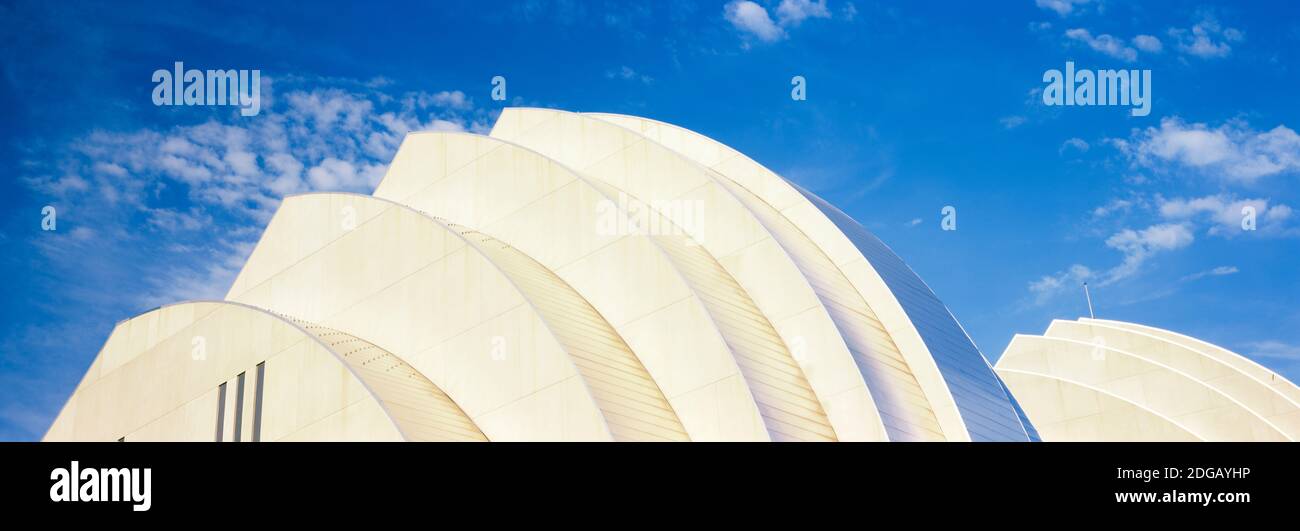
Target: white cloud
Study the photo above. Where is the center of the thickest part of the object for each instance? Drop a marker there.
(1103, 43)
(58, 186)
(335, 174)
(1061, 7)
(626, 72)
(1076, 144)
(1137, 246)
(1232, 150)
(1273, 349)
(286, 174)
(793, 12)
(1012, 122)
(849, 12)
(184, 169)
(1148, 43)
(447, 126)
(453, 99)
(110, 169)
(1216, 272)
(1140, 245)
(332, 174)
(1113, 206)
(241, 162)
(207, 280)
(1049, 286)
(751, 18)
(329, 107)
(1224, 213)
(187, 186)
(1206, 39)
(82, 233)
(172, 220)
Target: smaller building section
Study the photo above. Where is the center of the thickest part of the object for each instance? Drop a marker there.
(166, 374)
(1100, 380)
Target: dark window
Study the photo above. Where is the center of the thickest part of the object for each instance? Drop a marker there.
(257, 402)
(221, 410)
(239, 406)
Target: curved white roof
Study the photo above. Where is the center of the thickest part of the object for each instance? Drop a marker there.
(1155, 377)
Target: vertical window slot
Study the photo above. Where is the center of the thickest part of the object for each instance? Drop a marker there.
(257, 402)
(221, 410)
(239, 406)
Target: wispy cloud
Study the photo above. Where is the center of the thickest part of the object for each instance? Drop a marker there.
(1076, 144)
(1113, 206)
(1137, 246)
(1104, 43)
(1206, 39)
(1140, 245)
(1049, 286)
(1216, 272)
(1273, 349)
(1175, 223)
(849, 12)
(627, 73)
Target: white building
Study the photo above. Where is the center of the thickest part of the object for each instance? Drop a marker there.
(569, 277)
(1098, 380)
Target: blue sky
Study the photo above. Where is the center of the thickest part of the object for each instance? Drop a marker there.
(911, 107)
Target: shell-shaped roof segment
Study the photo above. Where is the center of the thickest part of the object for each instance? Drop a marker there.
(1150, 377)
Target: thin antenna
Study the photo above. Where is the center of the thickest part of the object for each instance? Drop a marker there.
(1089, 296)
